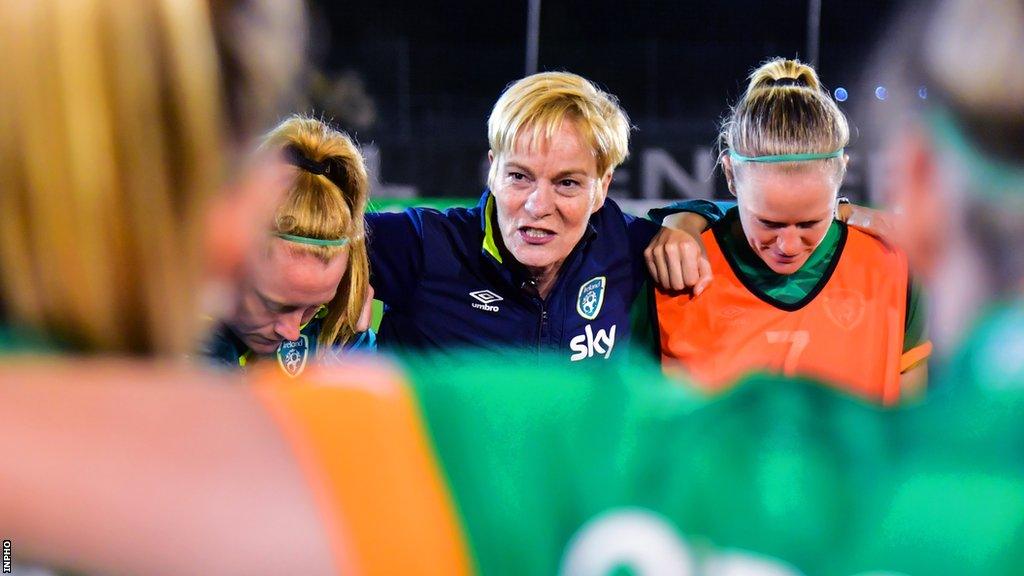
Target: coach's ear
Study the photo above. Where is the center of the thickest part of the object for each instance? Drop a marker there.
(602, 192)
(492, 169)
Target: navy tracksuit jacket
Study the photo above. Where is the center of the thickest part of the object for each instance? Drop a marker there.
(443, 288)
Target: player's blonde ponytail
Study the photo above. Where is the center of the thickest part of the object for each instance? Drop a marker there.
(327, 202)
(784, 111)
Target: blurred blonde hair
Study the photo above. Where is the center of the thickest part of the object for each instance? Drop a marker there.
(541, 102)
(318, 207)
(980, 72)
(112, 138)
(789, 117)
(962, 59)
(966, 55)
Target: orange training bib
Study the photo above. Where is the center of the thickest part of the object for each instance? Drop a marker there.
(848, 331)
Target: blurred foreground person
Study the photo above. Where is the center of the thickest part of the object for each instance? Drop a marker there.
(304, 293)
(954, 133)
(113, 144)
(791, 279)
(578, 470)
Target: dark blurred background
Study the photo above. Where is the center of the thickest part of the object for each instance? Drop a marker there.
(414, 82)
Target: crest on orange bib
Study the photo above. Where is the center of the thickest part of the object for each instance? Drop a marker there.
(845, 308)
(292, 355)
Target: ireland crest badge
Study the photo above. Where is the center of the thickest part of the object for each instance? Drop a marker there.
(591, 297)
(291, 356)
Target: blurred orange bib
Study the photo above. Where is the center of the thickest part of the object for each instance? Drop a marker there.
(848, 331)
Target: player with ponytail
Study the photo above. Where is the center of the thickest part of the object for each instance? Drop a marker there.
(792, 281)
(305, 289)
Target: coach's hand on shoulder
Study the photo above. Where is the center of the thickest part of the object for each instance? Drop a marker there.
(875, 222)
(676, 257)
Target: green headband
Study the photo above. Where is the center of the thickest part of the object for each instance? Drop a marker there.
(312, 241)
(994, 178)
(786, 157)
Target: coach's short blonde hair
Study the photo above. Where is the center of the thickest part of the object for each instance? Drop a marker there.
(541, 102)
